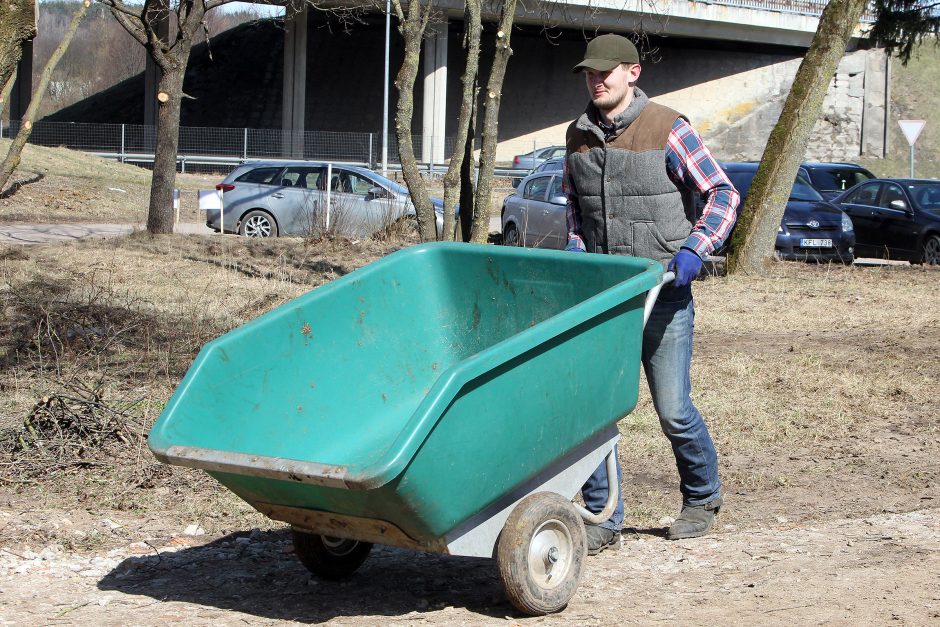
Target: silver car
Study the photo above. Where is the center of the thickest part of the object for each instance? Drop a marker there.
(534, 216)
(272, 198)
(531, 160)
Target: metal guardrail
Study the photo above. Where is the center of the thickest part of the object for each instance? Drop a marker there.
(220, 164)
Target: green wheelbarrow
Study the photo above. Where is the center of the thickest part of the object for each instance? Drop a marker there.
(449, 397)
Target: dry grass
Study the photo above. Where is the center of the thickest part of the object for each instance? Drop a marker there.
(798, 363)
(61, 185)
(807, 359)
(96, 335)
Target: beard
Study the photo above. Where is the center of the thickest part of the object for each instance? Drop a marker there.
(613, 98)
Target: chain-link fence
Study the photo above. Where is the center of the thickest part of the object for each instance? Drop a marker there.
(204, 149)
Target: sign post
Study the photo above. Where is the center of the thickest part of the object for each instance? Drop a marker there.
(911, 130)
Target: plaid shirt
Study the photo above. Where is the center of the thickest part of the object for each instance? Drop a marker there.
(691, 166)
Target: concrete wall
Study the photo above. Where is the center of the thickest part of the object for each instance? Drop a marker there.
(855, 101)
(732, 96)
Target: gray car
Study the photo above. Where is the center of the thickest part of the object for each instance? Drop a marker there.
(534, 216)
(532, 160)
(272, 198)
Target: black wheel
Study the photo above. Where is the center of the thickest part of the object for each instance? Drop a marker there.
(329, 558)
(257, 223)
(540, 553)
(930, 254)
(511, 235)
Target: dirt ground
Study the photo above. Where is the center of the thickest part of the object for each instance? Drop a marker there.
(873, 570)
(819, 384)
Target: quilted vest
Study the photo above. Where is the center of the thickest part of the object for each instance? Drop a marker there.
(629, 205)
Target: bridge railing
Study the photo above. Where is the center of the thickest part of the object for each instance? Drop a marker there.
(813, 8)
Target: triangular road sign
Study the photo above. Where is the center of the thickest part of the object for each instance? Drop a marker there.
(911, 129)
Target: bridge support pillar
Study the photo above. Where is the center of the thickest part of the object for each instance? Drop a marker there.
(294, 96)
(433, 127)
(875, 111)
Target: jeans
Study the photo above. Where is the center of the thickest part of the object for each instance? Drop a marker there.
(667, 358)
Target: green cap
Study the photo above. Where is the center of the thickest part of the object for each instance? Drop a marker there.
(606, 52)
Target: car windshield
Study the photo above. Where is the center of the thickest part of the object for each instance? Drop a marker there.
(926, 195)
(803, 190)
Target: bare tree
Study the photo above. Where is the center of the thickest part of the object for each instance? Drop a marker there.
(463, 146)
(491, 102)
(459, 177)
(17, 24)
(13, 156)
(147, 24)
(413, 20)
(756, 232)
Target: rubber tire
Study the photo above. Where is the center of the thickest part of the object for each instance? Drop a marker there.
(333, 559)
(259, 218)
(511, 236)
(930, 253)
(516, 556)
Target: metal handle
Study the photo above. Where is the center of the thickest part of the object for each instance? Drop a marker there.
(278, 195)
(653, 294)
(613, 494)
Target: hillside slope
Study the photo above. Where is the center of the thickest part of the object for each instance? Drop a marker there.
(914, 96)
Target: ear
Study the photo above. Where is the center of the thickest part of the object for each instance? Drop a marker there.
(634, 72)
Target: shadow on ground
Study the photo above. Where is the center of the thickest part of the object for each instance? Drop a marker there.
(258, 574)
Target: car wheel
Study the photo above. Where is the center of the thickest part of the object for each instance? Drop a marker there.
(511, 235)
(258, 223)
(931, 251)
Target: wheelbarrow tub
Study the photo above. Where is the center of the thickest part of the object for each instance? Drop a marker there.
(418, 390)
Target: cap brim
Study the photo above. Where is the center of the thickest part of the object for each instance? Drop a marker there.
(600, 65)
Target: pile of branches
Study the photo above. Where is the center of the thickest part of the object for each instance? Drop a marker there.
(71, 430)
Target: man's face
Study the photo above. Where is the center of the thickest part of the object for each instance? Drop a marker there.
(608, 90)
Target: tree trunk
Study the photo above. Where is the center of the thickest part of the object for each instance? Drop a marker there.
(412, 27)
(455, 170)
(756, 233)
(17, 24)
(160, 215)
(6, 89)
(468, 178)
(16, 149)
(481, 206)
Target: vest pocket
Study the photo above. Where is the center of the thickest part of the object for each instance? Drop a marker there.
(649, 242)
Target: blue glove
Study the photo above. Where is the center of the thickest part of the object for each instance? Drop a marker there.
(686, 264)
(572, 247)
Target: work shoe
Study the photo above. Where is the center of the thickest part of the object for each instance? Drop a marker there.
(600, 538)
(694, 520)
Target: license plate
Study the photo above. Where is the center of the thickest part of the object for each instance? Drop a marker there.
(816, 243)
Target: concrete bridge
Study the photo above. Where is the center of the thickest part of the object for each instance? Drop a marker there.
(726, 64)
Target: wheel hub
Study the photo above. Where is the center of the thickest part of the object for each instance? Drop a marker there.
(550, 553)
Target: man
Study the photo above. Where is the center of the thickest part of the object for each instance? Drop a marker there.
(633, 171)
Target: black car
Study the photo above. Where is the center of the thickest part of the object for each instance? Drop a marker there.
(812, 229)
(895, 218)
(831, 179)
